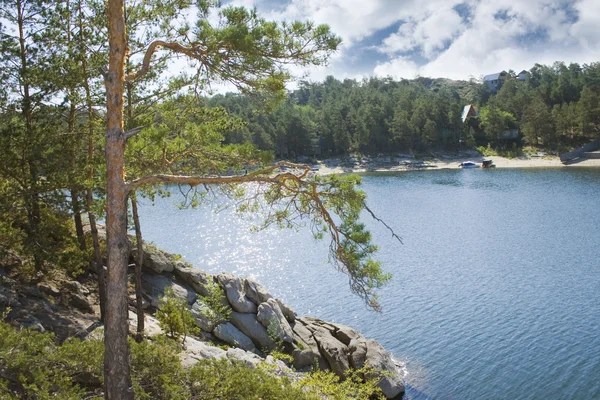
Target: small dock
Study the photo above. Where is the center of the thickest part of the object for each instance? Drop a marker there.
(589, 151)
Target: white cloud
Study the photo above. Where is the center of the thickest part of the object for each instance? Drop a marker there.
(399, 67)
(434, 40)
(500, 36)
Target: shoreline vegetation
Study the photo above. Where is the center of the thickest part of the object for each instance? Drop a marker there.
(406, 162)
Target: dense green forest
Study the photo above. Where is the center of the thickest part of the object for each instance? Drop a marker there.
(555, 107)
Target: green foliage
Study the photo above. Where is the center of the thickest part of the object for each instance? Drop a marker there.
(157, 372)
(174, 316)
(218, 308)
(232, 379)
(278, 355)
(34, 367)
(356, 385)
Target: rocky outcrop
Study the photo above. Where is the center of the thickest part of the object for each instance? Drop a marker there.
(153, 286)
(272, 318)
(236, 293)
(228, 333)
(260, 323)
(251, 327)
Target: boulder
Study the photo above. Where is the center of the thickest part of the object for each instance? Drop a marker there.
(306, 349)
(256, 292)
(81, 302)
(202, 315)
(195, 277)
(249, 325)
(250, 359)
(154, 287)
(378, 358)
(156, 260)
(228, 333)
(345, 334)
(287, 311)
(272, 318)
(75, 287)
(196, 350)
(334, 351)
(357, 353)
(236, 294)
(49, 289)
(258, 295)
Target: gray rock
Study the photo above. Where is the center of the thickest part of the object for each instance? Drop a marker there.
(334, 351)
(251, 359)
(256, 292)
(378, 358)
(156, 260)
(30, 322)
(76, 287)
(249, 325)
(304, 358)
(154, 287)
(287, 311)
(303, 334)
(194, 277)
(196, 350)
(228, 333)
(357, 353)
(272, 318)
(203, 316)
(234, 289)
(49, 288)
(306, 348)
(81, 302)
(345, 334)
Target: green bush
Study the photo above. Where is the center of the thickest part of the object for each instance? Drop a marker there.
(219, 309)
(231, 379)
(156, 369)
(174, 316)
(33, 366)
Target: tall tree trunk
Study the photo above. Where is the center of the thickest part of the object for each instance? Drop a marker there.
(32, 193)
(97, 264)
(139, 261)
(76, 207)
(117, 374)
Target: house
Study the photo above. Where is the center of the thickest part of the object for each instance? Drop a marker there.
(522, 75)
(468, 112)
(494, 81)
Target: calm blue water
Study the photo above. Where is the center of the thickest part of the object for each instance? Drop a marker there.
(496, 289)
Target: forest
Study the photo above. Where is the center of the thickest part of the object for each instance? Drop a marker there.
(555, 107)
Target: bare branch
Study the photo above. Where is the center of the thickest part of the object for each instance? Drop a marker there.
(192, 52)
(376, 218)
(133, 132)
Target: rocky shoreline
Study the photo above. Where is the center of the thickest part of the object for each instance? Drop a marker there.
(258, 324)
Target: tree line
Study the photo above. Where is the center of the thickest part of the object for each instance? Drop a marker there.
(554, 107)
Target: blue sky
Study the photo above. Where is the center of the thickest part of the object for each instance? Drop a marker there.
(457, 39)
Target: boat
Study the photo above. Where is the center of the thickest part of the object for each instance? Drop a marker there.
(488, 164)
(468, 164)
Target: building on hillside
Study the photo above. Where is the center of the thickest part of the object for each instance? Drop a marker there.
(494, 81)
(468, 112)
(522, 75)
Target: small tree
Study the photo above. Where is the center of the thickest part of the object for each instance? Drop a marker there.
(219, 309)
(174, 316)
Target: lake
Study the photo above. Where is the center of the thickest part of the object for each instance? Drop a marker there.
(495, 291)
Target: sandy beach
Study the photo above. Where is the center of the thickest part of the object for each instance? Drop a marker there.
(407, 163)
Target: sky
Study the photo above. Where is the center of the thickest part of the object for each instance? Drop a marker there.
(445, 38)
